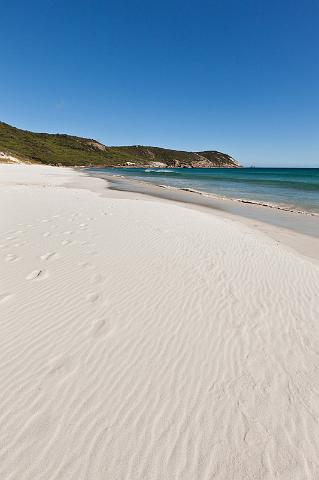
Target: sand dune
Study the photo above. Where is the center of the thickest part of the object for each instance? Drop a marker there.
(146, 340)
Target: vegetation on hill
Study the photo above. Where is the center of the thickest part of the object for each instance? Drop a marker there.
(68, 150)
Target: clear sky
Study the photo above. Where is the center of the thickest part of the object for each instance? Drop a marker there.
(240, 76)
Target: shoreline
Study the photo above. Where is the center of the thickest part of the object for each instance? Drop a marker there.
(296, 230)
(211, 195)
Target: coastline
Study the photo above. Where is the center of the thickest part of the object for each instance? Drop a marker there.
(210, 195)
(297, 230)
(150, 338)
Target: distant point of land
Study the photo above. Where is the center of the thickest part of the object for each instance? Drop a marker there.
(67, 150)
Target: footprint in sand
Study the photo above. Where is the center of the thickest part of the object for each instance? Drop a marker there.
(67, 242)
(5, 296)
(210, 266)
(61, 366)
(100, 329)
(96, 279)
(46, 234)
(10, 257)
(50, 256)
(93, 297)
(85, 264)
(37, 275)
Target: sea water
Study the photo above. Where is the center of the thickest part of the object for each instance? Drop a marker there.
(288, 188)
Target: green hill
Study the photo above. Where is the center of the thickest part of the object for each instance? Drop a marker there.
(68, 150)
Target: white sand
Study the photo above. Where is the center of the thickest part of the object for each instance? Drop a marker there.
(146, 340)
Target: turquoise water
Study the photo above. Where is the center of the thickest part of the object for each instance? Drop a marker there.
(293, 188)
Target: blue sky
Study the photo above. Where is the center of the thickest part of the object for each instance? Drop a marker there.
(236, 76)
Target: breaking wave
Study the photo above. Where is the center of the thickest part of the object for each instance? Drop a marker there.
(159, 170)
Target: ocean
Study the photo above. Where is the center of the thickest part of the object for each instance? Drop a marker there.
(287, 188)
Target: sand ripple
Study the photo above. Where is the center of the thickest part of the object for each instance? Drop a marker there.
(156, 342)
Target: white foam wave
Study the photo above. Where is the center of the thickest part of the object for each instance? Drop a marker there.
(159, 170)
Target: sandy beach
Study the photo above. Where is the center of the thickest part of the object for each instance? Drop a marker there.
(143, 339)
